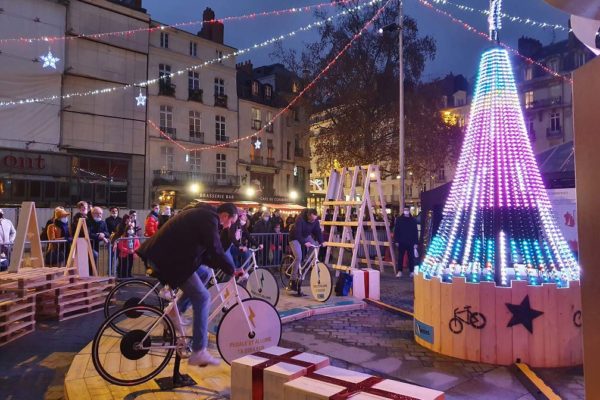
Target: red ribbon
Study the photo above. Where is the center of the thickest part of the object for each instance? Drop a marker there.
(366, 280)
(272, 359)
(365, 386)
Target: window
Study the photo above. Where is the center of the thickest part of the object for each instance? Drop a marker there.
(195, 163)
(221, 166)
(409, 191)
(220, 55)
(195, 120)
(193, 49)
(579, 59)
(295, 115)
(219, 87)
(270, 148)
(256, 119)
(168, 159)
(164, 40)
(289, 145)
(166, 117)
(220, 128)
(193, 80)
(287, 182)
(441, 174)
(528, 99)
(164, 70)
(268, 92)
(553, 64)
(268, 121)
(255, 88)
(531, 129)
(528, 73)
(554, 121)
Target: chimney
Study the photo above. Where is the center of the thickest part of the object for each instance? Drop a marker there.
(211, 29)
(245, 66)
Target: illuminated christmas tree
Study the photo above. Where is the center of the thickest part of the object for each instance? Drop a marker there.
(498, 222)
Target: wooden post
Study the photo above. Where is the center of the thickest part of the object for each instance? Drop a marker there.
(75, 246)
(27, 231)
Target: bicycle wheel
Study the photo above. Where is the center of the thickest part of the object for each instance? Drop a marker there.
(235, 340)
(478, 320)
(456, 325)
(321, 284)
(120, 360)
(286, 269)
(262, 285)
(230, 302)
(129, 294)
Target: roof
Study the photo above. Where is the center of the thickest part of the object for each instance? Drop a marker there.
(557, 166)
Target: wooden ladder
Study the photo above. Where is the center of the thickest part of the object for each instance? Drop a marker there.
(347, 241)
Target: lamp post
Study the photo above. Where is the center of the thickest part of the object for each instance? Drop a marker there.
(400, 107)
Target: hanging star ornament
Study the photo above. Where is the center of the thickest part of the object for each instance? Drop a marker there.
(523, 314)
(141, 99)
(257, 144)
(49, 60)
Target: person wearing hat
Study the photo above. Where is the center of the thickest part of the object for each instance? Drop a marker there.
(59, 230)
(7, 237)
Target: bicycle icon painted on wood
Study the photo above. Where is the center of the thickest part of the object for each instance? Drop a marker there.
(475, 319)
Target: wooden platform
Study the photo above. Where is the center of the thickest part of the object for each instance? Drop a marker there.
(17, 318)
(499, 337)
(83, 382)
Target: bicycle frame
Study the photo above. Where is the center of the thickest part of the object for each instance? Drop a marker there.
(173, 306)
(310, 262)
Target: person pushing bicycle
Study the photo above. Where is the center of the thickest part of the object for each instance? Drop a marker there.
(188, 240)
(305, 231)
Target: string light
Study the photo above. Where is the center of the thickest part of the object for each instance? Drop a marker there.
(191, 68)
(497, 199)
(323, 72)
(485, 35)
(129, 32)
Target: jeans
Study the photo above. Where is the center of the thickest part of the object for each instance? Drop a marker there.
(195, 292)
(203, 273)
(239, 257)
(296, 247)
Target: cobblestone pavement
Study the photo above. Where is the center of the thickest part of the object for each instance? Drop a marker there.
(371, 340)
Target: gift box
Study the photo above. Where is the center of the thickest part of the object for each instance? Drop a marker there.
(332, 383)
(262, 375)
(365, 284)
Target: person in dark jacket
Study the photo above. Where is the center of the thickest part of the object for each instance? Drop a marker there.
(83, 213)
(164, 216)
(262, 230)
(98, 231)
(174, 253)
(406, 237)
(113, 221)
(276, 219)
(306, 231)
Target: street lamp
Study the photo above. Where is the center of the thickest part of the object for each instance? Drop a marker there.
(250, 191)
(194, 188)
(293, 195)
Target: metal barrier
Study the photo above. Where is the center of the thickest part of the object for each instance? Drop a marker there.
(55, 253)
(275, 246)
(122, 265)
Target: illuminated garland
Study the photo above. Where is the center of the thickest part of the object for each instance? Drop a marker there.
(191, 68)
(324, 71)
(485, 35)
(287, 11)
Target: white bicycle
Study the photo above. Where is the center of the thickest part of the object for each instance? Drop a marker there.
(320, 278)
(135, 344)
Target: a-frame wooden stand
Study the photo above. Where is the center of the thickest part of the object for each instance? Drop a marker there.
(27, 231)
(80, 253)
(345, 240)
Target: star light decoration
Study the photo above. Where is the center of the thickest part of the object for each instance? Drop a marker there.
(49, 60)
(498, 224)
(257, 144)
(141, 99)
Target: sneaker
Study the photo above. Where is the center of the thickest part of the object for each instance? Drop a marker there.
(202, 358)
(399, 274)
(412, 274)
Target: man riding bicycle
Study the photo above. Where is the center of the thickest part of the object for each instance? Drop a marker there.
(305, 231)
(188, 240)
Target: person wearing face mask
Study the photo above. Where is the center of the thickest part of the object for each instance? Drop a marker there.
(84, 209)
(306, 232)
(151, 225)
(113, 221)
(406, 237)
(7, 237)
(98, 231)
(58, 230)
(127, 247)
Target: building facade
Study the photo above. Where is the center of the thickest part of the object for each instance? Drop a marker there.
(547, 99)
(193, 108)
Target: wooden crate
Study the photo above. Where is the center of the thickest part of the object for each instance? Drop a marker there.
(17, 318)
(73, 299)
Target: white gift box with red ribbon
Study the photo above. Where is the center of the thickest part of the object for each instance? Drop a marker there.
(365, 284)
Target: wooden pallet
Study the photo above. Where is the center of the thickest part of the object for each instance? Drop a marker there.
(28, 280)
(17, 318)
(17, 330)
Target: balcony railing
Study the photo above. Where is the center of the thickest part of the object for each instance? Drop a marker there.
(195, 95)
(256, 124)
(221, 100)
(269, 128)
(299, 152)
(171, 132)
(166, 177)
(258, 160)
(221, 138)
(196, 137)
(554, 133)
(166, 88)
(270, 162)
(554, 101)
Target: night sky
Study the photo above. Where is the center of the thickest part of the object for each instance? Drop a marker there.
(458, 50)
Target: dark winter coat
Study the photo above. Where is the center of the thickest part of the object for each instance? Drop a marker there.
(186, 241)
(112, 223)
(96, 228)
(405, 231)
(262, 226)
(303, 229)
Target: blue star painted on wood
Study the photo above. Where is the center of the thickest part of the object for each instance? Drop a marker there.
(523, 314)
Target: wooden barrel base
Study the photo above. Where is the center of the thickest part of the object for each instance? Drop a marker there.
(538, 325)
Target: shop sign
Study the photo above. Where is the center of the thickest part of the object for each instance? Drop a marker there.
(34, 163)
